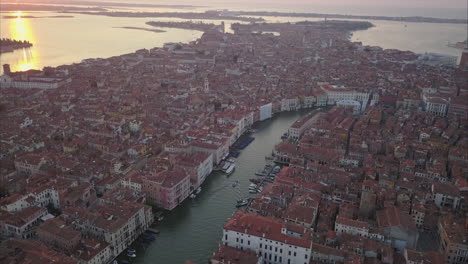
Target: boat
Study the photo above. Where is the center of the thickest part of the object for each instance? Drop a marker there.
(131, 255)
(276, 169)
(253, 185)
(193, 196)
(152, 231)
(131, 250)
(235, 183)
(198, 190)
(226, 166)
(231, 160)
(160, 218)
(252, 191)
(230, 170)
(255, 181)
(245, 142)
(242, 202)
(115, 262)
(261, 174)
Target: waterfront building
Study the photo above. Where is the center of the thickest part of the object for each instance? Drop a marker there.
(290, 104)
(168, 188)
(277, 242)
(265, 112)
(32, 79)
(199, 165)
(230, 255)
(298, 128)
(119, 225)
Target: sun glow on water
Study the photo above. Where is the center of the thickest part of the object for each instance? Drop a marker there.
(20, 29)
(18, 14)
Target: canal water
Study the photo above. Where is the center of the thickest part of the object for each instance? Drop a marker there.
(193, 230)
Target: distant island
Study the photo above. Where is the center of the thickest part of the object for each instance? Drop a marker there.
(316, 15)
(144, 29)
(184, 25)
(246, 16)
(9, 45)
(183, 15)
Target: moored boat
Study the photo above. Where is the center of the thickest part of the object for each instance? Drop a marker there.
(255, 181)
(230, 170)
(242, 202)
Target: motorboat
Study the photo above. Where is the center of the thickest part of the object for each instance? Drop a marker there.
(242, 202)
(193, 196)
(131, 255)
(131, 250)
(198, 190)
(230, 170)
(276, 169)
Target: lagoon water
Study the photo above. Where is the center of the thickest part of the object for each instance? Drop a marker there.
(59, 41)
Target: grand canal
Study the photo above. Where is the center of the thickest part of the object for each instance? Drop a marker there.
(194, 230)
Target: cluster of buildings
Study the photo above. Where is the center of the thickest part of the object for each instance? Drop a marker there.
(387, 186)
(93, 142)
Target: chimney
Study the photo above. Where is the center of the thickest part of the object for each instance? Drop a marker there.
(6, 69)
